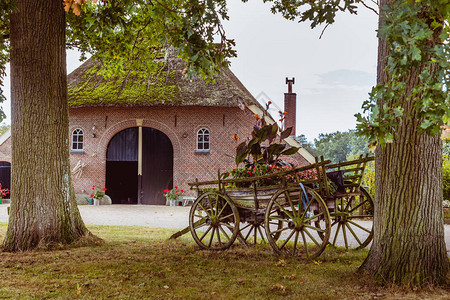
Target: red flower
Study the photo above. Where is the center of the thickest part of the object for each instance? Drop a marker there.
(104, 189)
(176, 187)
(176, 192)
(182, 191)
(164, 195)
(166, 191)
(92, 195)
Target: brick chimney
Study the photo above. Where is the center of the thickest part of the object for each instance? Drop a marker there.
(290, 106)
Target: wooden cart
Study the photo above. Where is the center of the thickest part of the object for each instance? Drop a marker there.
(296, 216)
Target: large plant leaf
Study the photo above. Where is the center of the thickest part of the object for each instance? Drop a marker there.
(286, 133)
(273, 132)
(290, 151)
(241, 153)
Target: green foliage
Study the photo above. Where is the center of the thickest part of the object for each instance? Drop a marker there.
(4, 128)
(446, 177)
(301, 139)
(262, 148)
(125, 33)
(122, 33)
(418, 37)
(339, 146)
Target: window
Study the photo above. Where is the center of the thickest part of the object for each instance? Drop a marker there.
(77, 140)
(203, 140)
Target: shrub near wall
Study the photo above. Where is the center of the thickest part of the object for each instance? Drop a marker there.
(446, 177)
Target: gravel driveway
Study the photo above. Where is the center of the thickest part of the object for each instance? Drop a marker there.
(145, 215)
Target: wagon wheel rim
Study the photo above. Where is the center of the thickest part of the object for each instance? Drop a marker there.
(301, 223)
(214, 221)
(346, 221)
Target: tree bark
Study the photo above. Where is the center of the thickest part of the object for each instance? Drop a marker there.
(409, 244)
(43, 209)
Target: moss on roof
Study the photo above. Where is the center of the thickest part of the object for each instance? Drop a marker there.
(165, 85)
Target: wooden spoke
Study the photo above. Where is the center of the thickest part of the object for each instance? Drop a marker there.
(286, 193)
(212, 237)
(311, 237)
(223, 207)
(314, 217)
(285, 211)
(315, 228)
(295, 243)
(279, 230)
(260, 232)
(227, 216)
(344, 233)
(306, 209)
(218, 237)
(223, 232)
(206, 232)
(359, 226)
(336, 234)
(287, 240)
(306, 244)
(359, 205)
(353, 233)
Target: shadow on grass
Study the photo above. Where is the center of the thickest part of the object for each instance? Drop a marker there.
(139, 262)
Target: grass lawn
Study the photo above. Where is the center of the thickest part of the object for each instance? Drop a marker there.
(140, 263)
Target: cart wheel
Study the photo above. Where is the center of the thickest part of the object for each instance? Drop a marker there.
(253, 232)
(302, 221)
(214, 221)
(352, 221)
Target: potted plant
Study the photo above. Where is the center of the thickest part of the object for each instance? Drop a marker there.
(3, 193)
(172, 195)
(97, 194)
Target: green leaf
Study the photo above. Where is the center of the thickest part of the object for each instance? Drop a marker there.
(290, 151)
(286, 133)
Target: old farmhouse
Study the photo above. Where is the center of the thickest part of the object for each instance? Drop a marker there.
(142, 133)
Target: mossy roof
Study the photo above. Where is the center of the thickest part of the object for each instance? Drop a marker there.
(166, 85)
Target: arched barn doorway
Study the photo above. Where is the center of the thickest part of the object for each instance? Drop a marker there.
(139, 166)
(5, 176)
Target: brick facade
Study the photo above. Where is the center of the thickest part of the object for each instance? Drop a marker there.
(179, 123)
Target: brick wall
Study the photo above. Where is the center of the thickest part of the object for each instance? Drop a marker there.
(180, 124)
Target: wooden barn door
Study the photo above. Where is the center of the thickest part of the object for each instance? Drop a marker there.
(157, 166)
(122, 167)
(139, 166)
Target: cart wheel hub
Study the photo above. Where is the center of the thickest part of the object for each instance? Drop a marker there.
(291, 225)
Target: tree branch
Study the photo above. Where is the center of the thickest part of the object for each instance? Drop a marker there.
(367, 6)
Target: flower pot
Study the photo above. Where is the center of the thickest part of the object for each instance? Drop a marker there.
(96, 202)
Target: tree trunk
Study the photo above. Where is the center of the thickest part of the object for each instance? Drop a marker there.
(43, 208)
(409, 245)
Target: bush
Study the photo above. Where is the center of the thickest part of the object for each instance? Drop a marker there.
(446, 177)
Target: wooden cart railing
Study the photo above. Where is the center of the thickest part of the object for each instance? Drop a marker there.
(296, 214)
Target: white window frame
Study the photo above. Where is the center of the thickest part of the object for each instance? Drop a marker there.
(201, 134)
(77, 133)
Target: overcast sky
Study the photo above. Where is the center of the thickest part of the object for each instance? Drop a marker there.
(333, 75)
